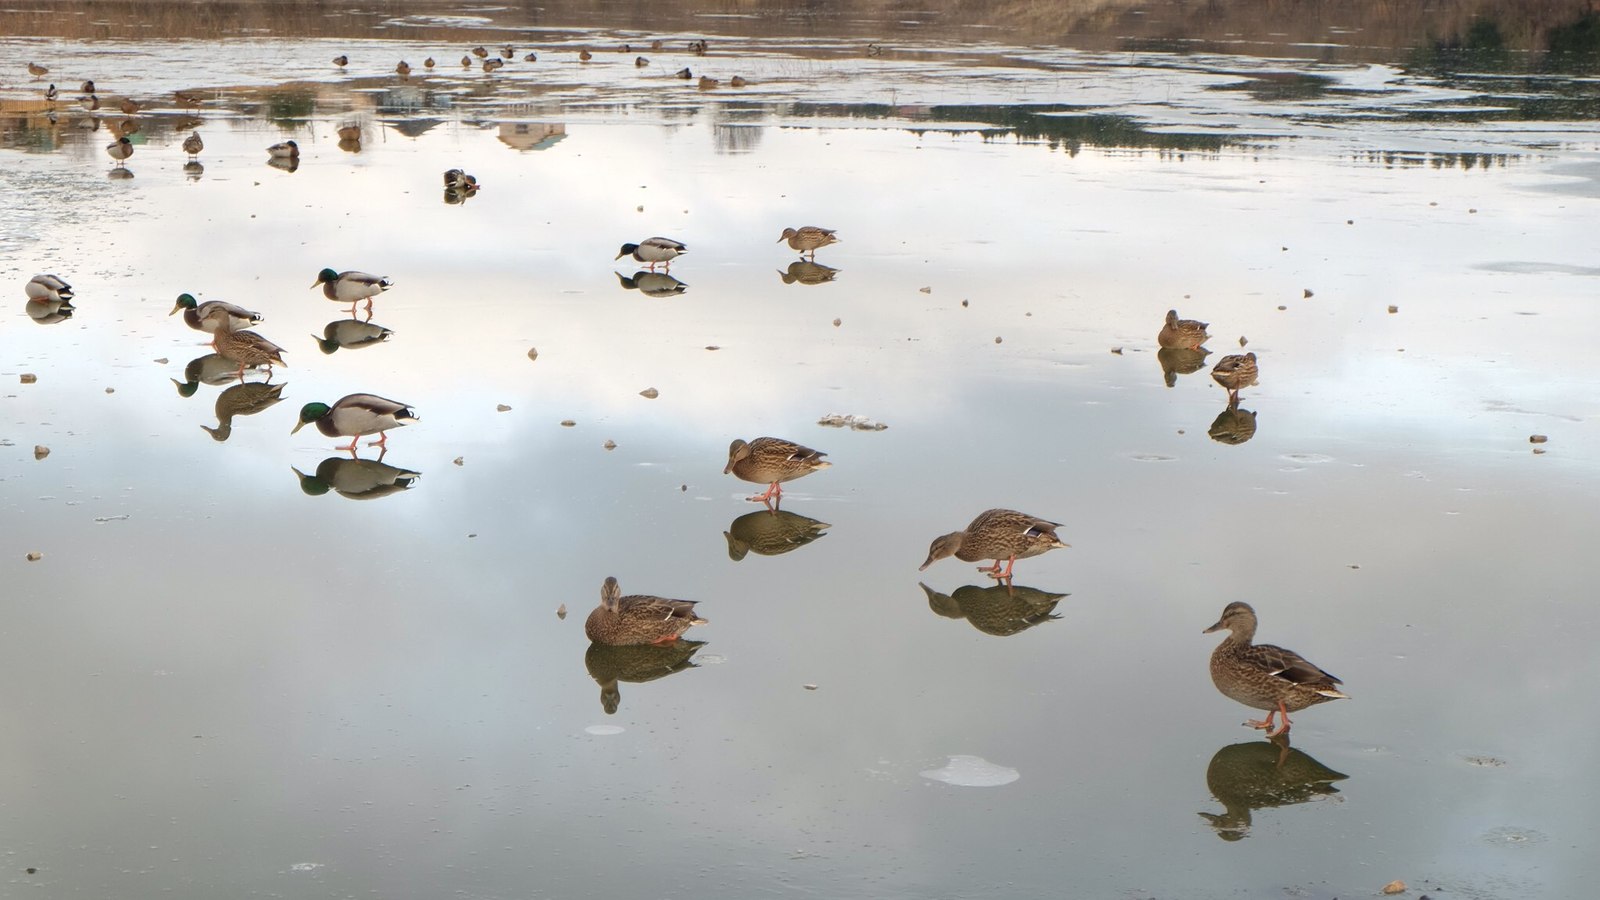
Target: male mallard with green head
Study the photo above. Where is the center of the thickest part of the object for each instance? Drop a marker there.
(772, 461)
(997, 534)
(354, 416)
(351, 287)
(654, 250)
(638, 618)
(48, 287)
(214, 315)
(1262, 676)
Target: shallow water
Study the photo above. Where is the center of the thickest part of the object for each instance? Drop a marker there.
(226, 678)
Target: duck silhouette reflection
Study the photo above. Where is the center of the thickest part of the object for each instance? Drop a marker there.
(771, 532)
(804, 271)
(213, 369)
(193, 169)
(636, 664)
(1233, 425)
(652, 284)
(1263, 775)
(1177, 361)
(50, 312)
(356, 479)
(245, 399)
(998, 609)
(351, 334)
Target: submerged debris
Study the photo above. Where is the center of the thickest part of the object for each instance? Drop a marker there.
(29, 378)
(855, 423)
(650, 393)
(533, 352)
(610, 445)
(460, 460)
(502, 408)
(1395, 887)
(1538, 438)
(567, 423)
(40, 451)
(35, 556)
(561, 611)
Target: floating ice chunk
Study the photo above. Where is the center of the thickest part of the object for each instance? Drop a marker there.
(858, 423)
(972, 771)
(604, 730)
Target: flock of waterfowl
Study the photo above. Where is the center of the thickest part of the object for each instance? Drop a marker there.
(1260, 676)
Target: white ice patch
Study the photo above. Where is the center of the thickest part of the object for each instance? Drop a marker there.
(604, 730)
(972, 771)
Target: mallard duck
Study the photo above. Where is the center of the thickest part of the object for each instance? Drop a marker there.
(48, 287)
(248, 349)
(531, 57)
(585, 56)
(351, 287)
(120, 150)
(997, 534)
(351, 334)
(480, 52)
(37, 70)
(656, 45)
(638, 618)
(1262, 676)
(771, 532)
(808, 238)
(350, 133)
(428, 63)
(707, 82)
(245, 399)
(654, 250)
(1235, 371)
(772, 461)
(187, 98)
(129, 106)
(652, 284)
(489, 65)
(214, 315)
(355, 479)
(874, 50)
(1186, 334)
(508, 51)
(90, 103)
(86, 88)
(355, 415)
(50, 94)
(804, 271)
(403, 69)
(341, 60)
(635, 664)
(998, 609)
(684, 73)
(284, 150)
(466, 62)
(192, 145)
(457, 180)
(640, 62)
(698, 48)
(737, 81)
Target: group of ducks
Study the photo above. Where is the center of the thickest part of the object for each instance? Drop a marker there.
(508, 52)
(653, 251)
(1234, 371)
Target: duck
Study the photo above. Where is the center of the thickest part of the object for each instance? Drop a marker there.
(356, 415)
(91, 103)
(341, 60)
(350, 334)
(284, 150)
(808, 238)
(245, 399)
(129, 106)
(489, 65)
(698, 47)
(684, 73)
(480, 52)
(508, 51)
(249, 350)
(351, 287)
(120, 149)
(355, 479)
(428, 63)
(737, 81)
(1235, 371)
(654, 250)
(707, 82)
(584, 55)
(466, 62)
(50, 94)
(48, 287)
(87, 87)
(1182, 334)
(531, 57)
(772, 461)
(187, 98)
(37, 70)
(403, 69)
(1262, 676)
(350, 133)
(214, 315)
(457, 180)
(192, 145)
(638, 618)
(640, 62)
(997, 534)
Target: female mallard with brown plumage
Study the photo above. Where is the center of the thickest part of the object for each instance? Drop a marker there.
(1235, 371)
(638, 618)
(772, 461)
(1262, 676)
(249, 349)
(1186, 334)
(808, 238)
(192, 145)
(355, 415)
(997, 534)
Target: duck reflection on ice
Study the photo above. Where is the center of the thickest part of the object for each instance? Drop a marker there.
(356, 479)
(213, 369)
(243, 400)
(351, 334)
(652, 284)
(1177, 361)
(50, 312)
(636, 664)
(770, 532)
(804, 271)
(1263, 775)
(1233, 425)
(193, 169)
(284, 163)
(999, 609)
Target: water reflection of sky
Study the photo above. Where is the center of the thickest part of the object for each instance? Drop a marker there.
(238, 678)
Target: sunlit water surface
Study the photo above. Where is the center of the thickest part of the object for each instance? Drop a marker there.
(225, 679)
